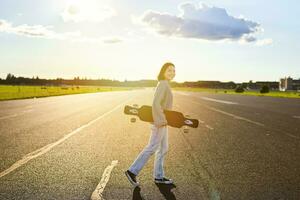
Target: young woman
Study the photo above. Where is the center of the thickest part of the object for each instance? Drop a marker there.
(158, 142)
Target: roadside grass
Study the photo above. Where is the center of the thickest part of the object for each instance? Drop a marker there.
(8, 92)
(247, 92)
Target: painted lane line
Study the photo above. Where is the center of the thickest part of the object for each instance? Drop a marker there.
(244, 119)
(183, 93)
(219, 101)
(206, 125)
(97, 194)
(209, 127)
(212, 99)
(8, 116)
(50, 146)
(236, 116)
(29, 110)
(200, 121)
(247, 120)
(16, 115)
(231, 115)
(291, 135)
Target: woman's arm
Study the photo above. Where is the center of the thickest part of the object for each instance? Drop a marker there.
(159, 118)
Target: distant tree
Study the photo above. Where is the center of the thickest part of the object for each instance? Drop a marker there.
(264, 89)
(10, 77)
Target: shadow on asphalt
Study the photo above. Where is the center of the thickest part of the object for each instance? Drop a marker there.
(166, 190)
(137, 194)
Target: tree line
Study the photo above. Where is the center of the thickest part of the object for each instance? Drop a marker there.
(13, 80)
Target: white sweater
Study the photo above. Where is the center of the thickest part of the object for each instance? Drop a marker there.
(163, 100)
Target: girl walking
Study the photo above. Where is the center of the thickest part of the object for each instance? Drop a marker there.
(158, 141)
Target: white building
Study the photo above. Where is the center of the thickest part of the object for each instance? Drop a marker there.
(288, 83)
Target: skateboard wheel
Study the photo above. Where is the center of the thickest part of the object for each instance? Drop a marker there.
(185, 130)
(133, 120)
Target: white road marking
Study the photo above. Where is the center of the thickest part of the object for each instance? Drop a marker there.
(211, 99)
(297, 117)
(97, 194)
(244, 119)
(48, 147)
(8, 116)
(219, 101)
(231, 115)
(200, 121)
(291, 135)
(209, 127)
(15, 115)
(206, 125)
(183, 93)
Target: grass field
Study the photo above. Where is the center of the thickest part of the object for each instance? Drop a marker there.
(255, 93)
(8, 92)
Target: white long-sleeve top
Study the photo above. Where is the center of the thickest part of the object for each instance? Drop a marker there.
(163, 99)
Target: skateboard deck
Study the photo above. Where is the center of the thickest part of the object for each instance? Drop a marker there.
(174, 118)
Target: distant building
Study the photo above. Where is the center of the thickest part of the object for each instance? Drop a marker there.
(296, 84)
(287, 83)
(273, 85)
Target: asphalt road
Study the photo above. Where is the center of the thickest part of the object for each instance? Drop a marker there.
(78, 146)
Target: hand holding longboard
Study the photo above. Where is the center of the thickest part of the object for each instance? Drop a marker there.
(174, 118)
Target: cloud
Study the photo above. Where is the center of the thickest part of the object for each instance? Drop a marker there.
(4, 25)
(87, 11)
(105, 40)
(202, 22)
(38, 31)
(264, 42)
(111, 40)
(46, 32)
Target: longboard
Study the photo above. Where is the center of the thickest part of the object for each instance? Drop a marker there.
(174, 118)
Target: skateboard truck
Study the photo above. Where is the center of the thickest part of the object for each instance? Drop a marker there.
(185, 128)
(134, 111)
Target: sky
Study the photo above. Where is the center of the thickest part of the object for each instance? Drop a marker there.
(221, 40)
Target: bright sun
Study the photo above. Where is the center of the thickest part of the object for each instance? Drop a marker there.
(92, 10)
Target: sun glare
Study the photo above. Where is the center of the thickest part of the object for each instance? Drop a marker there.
(92, 10)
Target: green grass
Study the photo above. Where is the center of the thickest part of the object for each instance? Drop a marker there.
(8, 92)
(253, 93)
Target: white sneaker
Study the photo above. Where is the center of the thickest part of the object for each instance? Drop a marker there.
(163, 180)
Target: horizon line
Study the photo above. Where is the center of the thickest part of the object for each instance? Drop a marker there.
(88, 78)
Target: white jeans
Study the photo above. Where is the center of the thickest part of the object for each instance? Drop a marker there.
(158, 144)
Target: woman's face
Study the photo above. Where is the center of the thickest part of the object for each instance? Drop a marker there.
(170, 73)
